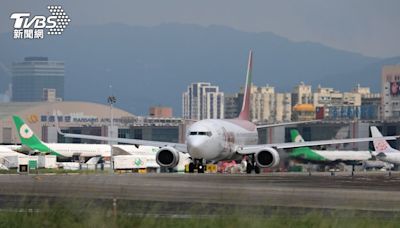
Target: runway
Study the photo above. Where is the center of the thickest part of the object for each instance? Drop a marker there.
(365, 191)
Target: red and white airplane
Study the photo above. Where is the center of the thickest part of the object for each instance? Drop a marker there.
(213, 140)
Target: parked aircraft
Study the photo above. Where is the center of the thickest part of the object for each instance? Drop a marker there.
(383, 151)
(32, 142)
(326, 157)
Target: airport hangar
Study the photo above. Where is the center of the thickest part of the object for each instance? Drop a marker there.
(92, 118)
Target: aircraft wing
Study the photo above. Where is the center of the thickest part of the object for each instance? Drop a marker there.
(287, 123)
(251, 149)
(178, 146)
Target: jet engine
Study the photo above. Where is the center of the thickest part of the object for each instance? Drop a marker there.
(267, 157)
(167, 157)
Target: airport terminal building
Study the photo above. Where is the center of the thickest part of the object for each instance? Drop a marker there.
(83, 118)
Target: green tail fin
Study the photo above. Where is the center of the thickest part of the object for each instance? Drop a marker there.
(303, 152)
(28, 138)
(295, 136)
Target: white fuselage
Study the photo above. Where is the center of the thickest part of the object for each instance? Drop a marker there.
(84, 150)
(337, 155)
(216, 140)
(103, 150)
(391, 157)
(134, 150)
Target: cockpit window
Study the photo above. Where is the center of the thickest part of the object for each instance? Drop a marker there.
(208, 133)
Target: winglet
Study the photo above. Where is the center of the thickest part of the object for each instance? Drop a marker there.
(245, 111)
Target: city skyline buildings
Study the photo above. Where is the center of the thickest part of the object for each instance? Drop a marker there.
(202, 101)
(327, 97)
(34, 77)
(268, 106)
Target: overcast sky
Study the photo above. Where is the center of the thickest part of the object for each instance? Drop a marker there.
(370, 27)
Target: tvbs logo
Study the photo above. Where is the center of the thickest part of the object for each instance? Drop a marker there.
(28, 27)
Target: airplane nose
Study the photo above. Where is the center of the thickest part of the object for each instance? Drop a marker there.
(197, 147)
(197, 142)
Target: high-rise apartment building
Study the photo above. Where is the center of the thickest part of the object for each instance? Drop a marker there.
(390, 92)
(233, 105)
(203, 101)
(265, 105)
(360, 103)
(302, 94)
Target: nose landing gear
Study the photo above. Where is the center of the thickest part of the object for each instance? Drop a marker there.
(196, 166)
(252, 165)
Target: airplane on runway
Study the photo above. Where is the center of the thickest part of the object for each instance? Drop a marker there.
(326, 157)
(213, 140)
(383, 151)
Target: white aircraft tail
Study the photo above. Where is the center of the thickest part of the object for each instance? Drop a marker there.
(381, 145)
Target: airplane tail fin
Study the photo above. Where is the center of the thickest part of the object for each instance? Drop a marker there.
(380, 145)
(295, 136)
(245, 111)
(304, 152)
(28, 138)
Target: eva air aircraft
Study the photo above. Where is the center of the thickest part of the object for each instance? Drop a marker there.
(31, 142)
(326, 157)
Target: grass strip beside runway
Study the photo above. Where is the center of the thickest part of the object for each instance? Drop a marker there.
(75, 213)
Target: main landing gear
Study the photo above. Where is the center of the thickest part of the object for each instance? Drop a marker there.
(251, 165)
(196, 166)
